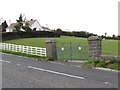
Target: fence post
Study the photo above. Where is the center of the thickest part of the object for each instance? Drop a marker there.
(51, 49)
(94, 45)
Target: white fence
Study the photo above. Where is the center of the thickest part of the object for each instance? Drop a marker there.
(23, 49)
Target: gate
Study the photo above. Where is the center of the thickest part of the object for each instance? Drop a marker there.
(72, 51)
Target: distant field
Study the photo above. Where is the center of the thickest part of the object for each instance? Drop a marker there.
(40, 42)
(109, 47)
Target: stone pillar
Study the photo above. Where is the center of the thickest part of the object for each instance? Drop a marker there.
(94, 45)
(51, 49)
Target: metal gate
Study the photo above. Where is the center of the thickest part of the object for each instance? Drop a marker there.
(72, 51)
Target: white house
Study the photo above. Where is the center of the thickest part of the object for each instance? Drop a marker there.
(33, 24)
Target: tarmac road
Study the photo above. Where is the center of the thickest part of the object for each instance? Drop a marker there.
(21, 72)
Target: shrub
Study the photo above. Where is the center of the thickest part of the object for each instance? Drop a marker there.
(113, 64)
(30, 34)
(101, 64)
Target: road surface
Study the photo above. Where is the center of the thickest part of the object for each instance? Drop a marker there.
(20, 72)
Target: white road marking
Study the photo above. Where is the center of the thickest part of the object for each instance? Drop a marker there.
(4, 61)
(58, 73)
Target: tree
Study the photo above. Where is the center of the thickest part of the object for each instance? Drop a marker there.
(34, 29)
(113, 36)
(59, 31)
(105, 34)
(4, 26)
(18, 26)
(26, 28)
(20, 18)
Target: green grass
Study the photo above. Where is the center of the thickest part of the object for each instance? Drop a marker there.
(40, 42)
(25, 55)
(65, 41)
(109, 47)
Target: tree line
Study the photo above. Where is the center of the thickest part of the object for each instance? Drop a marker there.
(84, 34)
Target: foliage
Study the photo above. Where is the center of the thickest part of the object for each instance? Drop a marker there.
(20, 18)
(30, 34)
(113, 64)
(26, 28)
(111, 38)
(59, 31)
(74, 33)
(4, 26)
(18, 26)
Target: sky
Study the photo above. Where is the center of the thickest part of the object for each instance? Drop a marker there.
(94, 16)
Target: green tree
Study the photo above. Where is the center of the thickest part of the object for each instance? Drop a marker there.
(113, 36)
(18, 26)
(20, 18)
(59, 31)
(26, 28)
(4, 26)
(105, 34)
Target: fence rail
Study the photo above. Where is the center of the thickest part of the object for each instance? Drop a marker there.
(23, 49)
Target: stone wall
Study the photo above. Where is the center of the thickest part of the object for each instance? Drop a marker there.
(107, 57)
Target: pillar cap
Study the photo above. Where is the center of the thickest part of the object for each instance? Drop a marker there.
(94, 38)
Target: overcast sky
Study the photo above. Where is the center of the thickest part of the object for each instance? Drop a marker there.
(95, 16)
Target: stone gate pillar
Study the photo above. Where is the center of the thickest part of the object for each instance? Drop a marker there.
(51, 49)
(94, 46)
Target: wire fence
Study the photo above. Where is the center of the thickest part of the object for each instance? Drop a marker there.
(72, 51)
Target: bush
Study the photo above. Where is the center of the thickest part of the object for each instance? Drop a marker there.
(101, 64)
(30, 34)
(113, 64)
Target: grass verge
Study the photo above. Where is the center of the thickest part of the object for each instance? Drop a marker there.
(111, 64)
(25, 55)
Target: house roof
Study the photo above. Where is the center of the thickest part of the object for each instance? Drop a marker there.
(43, 27)
(12, 25)
(30, 22)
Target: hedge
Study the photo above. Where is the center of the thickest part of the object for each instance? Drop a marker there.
(32, 34)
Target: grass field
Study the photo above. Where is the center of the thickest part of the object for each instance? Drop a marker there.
(109, 47)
